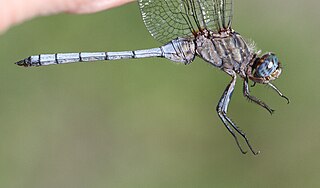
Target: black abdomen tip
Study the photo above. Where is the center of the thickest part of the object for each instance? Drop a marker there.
(24, 63)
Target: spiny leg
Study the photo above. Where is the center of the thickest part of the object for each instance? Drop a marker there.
(222, 109)
(246, 93)
(279, 92)
(222, 116)
(243, 134)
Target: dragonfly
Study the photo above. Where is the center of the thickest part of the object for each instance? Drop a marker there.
(188, 29)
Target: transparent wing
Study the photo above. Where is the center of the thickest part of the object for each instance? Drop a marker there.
(169, 19)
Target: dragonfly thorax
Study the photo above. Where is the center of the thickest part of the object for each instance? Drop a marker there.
(226, 50)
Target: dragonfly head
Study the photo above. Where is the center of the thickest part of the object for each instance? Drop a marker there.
(265, 69)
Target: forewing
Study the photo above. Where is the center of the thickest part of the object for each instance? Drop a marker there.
(169, 19)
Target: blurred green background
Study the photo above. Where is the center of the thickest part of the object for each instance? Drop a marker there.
(152, 123)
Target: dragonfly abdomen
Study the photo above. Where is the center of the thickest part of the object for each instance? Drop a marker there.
(63, 58)
(178, 50)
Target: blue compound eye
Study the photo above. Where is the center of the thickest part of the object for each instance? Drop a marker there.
(269, 63)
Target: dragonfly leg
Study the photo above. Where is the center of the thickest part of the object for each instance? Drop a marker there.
(243, 134)
(246, 93)
(222, 109)
(279, 92)
(222, 117)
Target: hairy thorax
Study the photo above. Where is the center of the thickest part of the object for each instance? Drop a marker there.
(225, 51)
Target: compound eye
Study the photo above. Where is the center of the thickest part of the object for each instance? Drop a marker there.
(269, 63)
